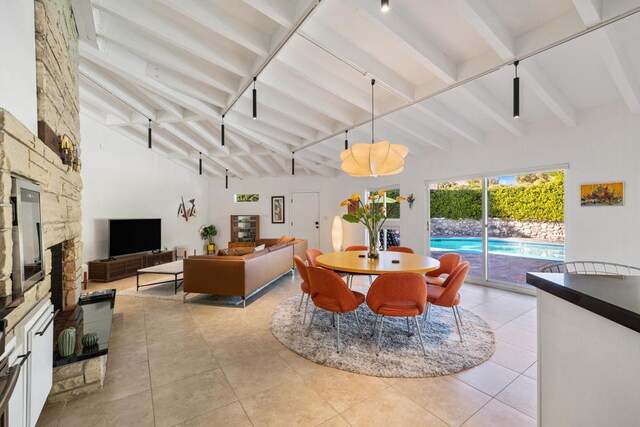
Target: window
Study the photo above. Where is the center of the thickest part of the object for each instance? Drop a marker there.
(240, 198)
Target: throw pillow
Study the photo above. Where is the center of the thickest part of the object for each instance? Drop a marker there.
(242, 251)
(285, 239)
(260, 248)
(223, 252)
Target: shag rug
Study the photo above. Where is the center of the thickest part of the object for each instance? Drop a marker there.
(400, 355)
(165, 292)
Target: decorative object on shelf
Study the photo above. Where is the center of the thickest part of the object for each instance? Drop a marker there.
(336, 234)
(69, 153)
(277, 210)
(610, 194)
(376, 159)
(410, 200)
(90, 349)
(185, 212)
(208, 232)
(90, 339)
(67, 342)
(372, 215)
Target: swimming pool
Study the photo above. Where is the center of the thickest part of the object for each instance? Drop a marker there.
(522, 248)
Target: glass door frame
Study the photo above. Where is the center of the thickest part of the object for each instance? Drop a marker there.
(484, 177)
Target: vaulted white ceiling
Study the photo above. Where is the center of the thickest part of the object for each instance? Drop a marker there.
(442, 70)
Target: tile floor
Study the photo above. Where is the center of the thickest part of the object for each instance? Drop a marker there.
(194, 365)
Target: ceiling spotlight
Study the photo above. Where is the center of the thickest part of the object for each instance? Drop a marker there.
(346, 139)
(384, 6)
(226, 179)
(293, 164)
(149, 134)
(222, 131)
(255, 100)
(516, 92)
(200, 164)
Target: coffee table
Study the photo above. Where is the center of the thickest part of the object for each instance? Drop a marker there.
(355, 262)
(174, 268)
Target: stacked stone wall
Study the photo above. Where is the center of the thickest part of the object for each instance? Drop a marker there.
(549, 231)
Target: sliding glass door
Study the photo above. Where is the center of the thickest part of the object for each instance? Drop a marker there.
(504, 225)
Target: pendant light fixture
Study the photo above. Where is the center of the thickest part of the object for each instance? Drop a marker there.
(226, 179)
(375, 159)
(149, 135)
(384, 6)
(346, 139)
(200, 164)
(222, 132)
(516, 92)
(255, 100)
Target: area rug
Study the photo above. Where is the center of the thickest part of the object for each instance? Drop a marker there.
(400, 355)
(165, 292)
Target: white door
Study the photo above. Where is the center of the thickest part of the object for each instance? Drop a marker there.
(305, 217)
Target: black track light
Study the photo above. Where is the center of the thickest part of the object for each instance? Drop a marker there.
(293, 166)
(149, 134)
(516, 92)
(200, 164)
(346, 139)
(384, 6)
(222, 131)
(255, 100)
(226, 179)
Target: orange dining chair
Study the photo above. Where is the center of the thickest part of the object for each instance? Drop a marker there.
(356, 248)
(397, 295)
(448, 295)
(304, 285)
(330, 293)
(448, 263)
(404, 249)
(312, 254)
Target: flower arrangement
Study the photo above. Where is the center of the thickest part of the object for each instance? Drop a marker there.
(372, 215)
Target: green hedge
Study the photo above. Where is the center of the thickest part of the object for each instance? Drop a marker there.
(539, 202)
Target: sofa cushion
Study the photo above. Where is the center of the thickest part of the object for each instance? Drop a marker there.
(276, 247)
(235, 251)
(285, 239)
(259, 248)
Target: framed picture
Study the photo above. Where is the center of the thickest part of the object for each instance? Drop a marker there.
(609, 194)
(277, 209)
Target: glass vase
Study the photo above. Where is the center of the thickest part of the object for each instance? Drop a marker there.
(373, 245)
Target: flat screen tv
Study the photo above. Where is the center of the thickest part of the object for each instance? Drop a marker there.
(130, 236)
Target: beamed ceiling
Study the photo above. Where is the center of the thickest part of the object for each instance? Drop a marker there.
(442, 69)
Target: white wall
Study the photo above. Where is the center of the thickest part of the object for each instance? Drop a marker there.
(123, 179)
(18, 69)
(605, 147)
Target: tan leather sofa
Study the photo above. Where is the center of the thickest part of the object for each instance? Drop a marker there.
(240, 275)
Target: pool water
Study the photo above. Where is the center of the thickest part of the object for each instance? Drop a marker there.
(521, 248)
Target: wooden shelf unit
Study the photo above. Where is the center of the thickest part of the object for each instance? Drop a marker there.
(105, 270)
(245, 230)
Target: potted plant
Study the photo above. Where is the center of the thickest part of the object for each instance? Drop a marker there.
(208, 232)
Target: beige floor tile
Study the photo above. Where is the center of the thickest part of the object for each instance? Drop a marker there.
(258, 373)
(489, 377)
(344, 389)
(521, 395)
(175, 342)
(290, 403)
(390, 408)
(50, 415)
(517, 336)
(500, 311)
(232, 415)
(299, 364)
(496, 413)
(447, 398)
(512, 357)
(173, 366)
(249, 344)
(527, 322)
(336, 421)
(185, 399)
(532, 371)
(131, 410)
(122, 355)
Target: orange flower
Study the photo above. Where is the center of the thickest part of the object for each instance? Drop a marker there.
(367, 207)
(382, 192)
(345, 203)
(355, 197)
(399, 199)
(382, 209)
(373, 197)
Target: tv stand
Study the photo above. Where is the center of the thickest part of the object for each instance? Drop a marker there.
(107, 270)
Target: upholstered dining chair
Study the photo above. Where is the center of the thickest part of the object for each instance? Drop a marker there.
(312, 254)
(404, 249)
(447, 295)
(355, 248)
(330, 293)
(448, 263)
(304, 285)
(397, 295)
